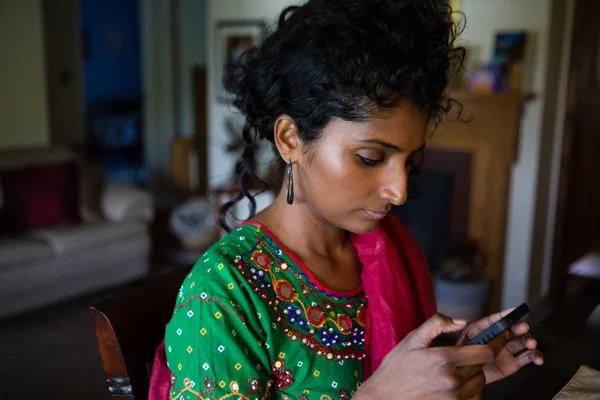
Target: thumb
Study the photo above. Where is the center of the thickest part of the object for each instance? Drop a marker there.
(432, 328)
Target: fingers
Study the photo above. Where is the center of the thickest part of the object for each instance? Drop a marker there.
(520, 343)
(469, 361)
(479, 326)
(472, 387)
(466, 373)
(475, 328)
(520, 328)
(530, 356)
(470, 355)
(432, 328)
(462, 369)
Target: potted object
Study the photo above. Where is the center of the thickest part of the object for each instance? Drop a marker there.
(194, 223)
(461, 287)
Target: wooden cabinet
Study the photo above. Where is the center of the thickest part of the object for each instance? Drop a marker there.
(490, 133)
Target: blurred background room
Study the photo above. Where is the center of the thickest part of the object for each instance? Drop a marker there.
(118, 144)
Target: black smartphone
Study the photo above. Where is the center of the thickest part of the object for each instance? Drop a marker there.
(505, 323)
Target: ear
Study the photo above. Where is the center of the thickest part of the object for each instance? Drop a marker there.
(285, 133)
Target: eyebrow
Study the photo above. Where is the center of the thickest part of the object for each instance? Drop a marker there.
(382, 144)
(388, 145)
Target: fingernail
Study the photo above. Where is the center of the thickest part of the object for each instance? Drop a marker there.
(458, 321)
(540, 361)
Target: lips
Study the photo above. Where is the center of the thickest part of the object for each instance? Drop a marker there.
(376, 215)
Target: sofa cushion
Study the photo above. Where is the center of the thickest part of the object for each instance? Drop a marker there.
(88, 235)
(20, 251)
(38, 196)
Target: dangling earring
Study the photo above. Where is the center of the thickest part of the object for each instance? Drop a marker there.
(290, 184)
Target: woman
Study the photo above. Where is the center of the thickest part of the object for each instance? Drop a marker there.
(323, 295)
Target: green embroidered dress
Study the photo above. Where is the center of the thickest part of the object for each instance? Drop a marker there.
(251, 322)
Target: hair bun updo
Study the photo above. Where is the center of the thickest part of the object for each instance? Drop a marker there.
(348, 59)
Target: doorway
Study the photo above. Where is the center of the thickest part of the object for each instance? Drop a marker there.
(577, 229)
(94, 83)
(112, 87)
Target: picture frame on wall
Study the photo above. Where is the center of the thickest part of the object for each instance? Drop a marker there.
(233, 38)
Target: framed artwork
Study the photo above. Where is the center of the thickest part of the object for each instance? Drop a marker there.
(233, 38)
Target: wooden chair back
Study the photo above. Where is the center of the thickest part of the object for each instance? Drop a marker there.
(129, 328)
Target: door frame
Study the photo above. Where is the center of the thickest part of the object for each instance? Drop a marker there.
(559, 263)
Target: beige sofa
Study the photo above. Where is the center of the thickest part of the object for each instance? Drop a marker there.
(45, 266)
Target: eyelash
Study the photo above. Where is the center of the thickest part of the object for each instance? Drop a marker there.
(368, 162)
(411, 166)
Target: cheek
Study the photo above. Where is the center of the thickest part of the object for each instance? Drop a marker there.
(340, 179)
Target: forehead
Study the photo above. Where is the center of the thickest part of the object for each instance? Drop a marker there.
(404, 127)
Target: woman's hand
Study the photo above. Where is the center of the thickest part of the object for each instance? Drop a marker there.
(413, 370)
(514, 349)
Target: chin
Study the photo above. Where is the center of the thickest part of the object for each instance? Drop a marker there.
(364, 226)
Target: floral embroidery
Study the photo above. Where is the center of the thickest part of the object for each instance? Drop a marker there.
(361, 314)
(265, 270)
(284, 290)
(262, 260)
(316, 316)
(301, 323)
(210, 385)
(345, 324)
(281, 375)
(281, 309)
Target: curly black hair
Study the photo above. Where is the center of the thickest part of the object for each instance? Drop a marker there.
(346, 59)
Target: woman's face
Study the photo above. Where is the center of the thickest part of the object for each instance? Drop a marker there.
(353, 175)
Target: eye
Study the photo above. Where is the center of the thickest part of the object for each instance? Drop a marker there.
(368, 161)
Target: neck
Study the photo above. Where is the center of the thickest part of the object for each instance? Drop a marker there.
(298, 225)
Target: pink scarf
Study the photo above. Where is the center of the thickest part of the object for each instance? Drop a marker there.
(398, 286)
(399, 291)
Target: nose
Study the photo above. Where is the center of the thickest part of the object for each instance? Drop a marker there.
(395, 188)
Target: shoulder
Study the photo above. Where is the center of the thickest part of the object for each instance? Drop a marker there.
(216, 273)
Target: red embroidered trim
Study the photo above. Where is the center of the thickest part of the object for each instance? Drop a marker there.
(345, 323)
(306, 339)
(281, 375)
(303, 267)
(262, 260)
(210, 385)
(361, 314)
(315, 316)
(284, 290)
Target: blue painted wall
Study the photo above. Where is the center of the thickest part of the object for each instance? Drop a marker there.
(112, 61)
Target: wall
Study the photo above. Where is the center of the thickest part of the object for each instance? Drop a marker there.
(484, 19)
(192, 17)
(23, 113)
(112, 66)
(221, 164)
(168, 100)
(64, 74)
(563, 14)
(157, 89)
